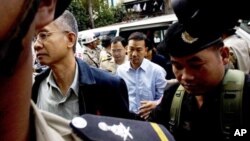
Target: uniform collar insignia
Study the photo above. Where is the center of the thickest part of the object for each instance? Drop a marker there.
(186, 37)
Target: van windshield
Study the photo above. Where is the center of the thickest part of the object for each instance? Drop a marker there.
(110, 33)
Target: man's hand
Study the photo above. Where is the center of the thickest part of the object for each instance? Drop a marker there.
(146, 107)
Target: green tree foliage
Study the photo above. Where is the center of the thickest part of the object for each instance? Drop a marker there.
(107, 15)
(103, 14)
(79, 11)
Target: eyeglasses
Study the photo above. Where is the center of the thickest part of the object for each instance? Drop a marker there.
(42, 36)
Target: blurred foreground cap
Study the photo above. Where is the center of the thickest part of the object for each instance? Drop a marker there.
(179, 43)
(209, 16)
(103, 128)
(61, 6)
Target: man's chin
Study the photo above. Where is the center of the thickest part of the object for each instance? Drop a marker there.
(195, 92)
(43, 63)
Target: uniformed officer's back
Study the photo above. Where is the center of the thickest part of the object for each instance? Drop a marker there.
(106, 59)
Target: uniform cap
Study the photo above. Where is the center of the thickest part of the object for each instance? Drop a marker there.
(209, 16)
(179, 43)
(87, 38)
(96, 128)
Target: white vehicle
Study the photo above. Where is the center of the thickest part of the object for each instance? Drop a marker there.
(153, 26)
(244, 31)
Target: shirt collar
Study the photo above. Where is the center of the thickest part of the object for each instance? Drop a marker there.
(143, 65)
(74, 86)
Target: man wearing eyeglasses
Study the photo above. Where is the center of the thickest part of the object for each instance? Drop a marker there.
(70, 87)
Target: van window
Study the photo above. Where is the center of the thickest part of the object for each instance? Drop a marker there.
(154, 27)
(101, 34)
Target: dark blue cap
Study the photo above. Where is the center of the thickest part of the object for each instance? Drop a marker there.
(209, 16)
(179, 42)
(102, 128)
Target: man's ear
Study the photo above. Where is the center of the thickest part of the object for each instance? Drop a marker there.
(71, 39)
(45, 13)
(225, 55)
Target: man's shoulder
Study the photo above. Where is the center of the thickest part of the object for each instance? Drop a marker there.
(88, 51)
(247, 80)
(154, 66)
(172, 87)
(95, 74)
(103, 76)
(51, 127)
(124, 67)
(235, 42)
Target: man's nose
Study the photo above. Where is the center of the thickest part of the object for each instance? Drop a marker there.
(37, 44)
(134, 53)
(187, 75)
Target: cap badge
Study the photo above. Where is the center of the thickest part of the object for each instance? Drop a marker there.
(186, 37)
(119, 130)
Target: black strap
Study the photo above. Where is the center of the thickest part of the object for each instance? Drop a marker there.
(92, 60)
(175, 110)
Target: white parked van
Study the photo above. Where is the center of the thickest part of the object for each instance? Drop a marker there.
(152, 26)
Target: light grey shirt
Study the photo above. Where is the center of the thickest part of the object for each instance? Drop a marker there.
(51, 99)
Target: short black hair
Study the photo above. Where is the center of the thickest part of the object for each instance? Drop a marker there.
(106, 41)
(141, 36)
(119, 39)
(161, 49)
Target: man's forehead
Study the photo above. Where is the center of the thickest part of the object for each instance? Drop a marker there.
(50, 27)
(136, 46)
(117, 45)
(197, 57)
(136, 43)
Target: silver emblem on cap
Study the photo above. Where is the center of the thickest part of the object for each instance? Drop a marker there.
(186, 37)
(79, 122)
(119, 130)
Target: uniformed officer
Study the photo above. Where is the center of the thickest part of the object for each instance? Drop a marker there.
(209, 100)
(106, 59)
(91, 51)
(198, 63)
